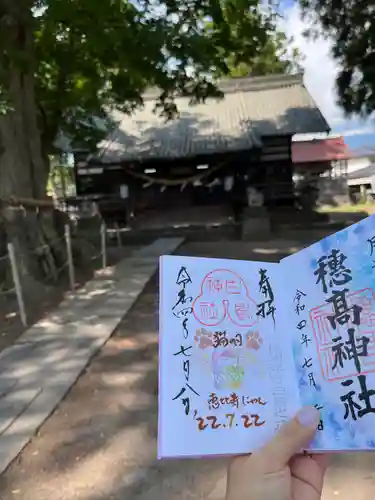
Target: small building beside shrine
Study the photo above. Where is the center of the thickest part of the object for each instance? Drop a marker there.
(320, 164)
(191, 164)
(321, 156)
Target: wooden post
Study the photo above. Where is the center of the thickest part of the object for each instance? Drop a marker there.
(103, 238)
(68, 241)
(17, 283)
(118, 235)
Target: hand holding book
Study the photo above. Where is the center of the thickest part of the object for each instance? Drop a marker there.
(278, 471)
(245, 345)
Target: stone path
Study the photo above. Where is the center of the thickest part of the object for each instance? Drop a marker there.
(39, 369)
(100, 443)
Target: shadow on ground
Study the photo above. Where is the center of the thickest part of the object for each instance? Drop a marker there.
(100, 444)
(39, 305)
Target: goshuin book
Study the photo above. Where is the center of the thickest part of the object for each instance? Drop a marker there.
(244, 345)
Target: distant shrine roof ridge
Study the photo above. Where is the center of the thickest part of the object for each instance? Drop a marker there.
(243, 84)
(252, 108)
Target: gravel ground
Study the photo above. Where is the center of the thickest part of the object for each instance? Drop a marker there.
(100, 444)
(40, 304)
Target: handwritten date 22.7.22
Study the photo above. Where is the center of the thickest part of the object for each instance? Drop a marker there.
(247, 420)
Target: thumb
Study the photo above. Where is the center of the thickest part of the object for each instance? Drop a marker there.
(290, 440)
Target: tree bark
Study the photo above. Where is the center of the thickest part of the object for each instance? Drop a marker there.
(23, 172)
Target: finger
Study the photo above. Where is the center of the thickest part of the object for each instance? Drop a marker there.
(309, 469)
(321, 460)
(307, 472)
(291, 439)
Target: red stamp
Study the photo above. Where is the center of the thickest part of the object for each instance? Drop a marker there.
(341, 349)
(224, 294)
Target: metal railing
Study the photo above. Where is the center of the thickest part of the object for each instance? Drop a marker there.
(11, 263)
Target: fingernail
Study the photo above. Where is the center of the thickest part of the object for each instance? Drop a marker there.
(308, 416)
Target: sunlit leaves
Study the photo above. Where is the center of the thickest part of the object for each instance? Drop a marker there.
(256, 46)
(351, 26)
(91, 56)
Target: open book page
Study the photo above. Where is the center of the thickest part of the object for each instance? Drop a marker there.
(332, 316)
(226, 376)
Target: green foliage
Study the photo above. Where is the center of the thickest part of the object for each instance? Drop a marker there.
(96, 56)
(274, 57)
(351, 25)
(255, 47)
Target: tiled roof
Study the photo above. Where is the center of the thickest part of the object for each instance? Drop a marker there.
(320, 150)
(362, 172)
(251, 108)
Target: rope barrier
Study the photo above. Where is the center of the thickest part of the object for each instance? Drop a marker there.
(15, 201)
(58, 271)
(8, 292)
(94, 257)
(173, 182)
(52, 242)
(50, 272)
(46, 246)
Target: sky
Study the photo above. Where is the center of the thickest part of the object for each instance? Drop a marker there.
(320, 70)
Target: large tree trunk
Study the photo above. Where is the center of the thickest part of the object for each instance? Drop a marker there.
(23, 171)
